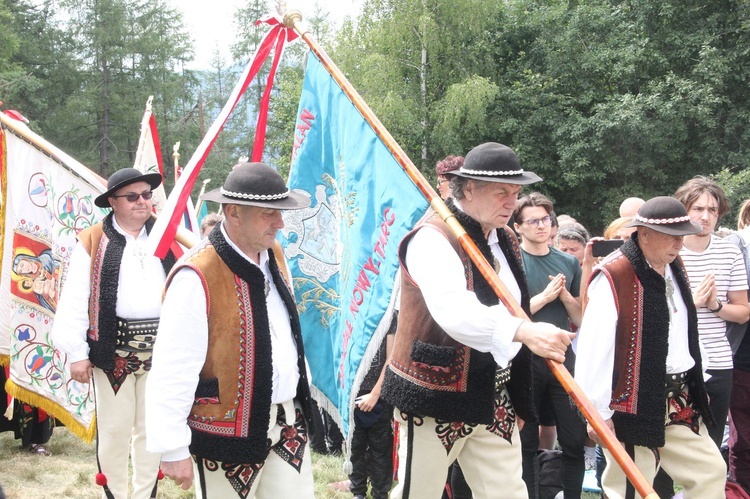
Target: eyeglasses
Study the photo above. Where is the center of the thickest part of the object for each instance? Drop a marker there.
(133, 196)
(534, 222)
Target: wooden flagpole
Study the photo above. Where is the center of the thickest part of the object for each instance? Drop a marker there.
(293, 20)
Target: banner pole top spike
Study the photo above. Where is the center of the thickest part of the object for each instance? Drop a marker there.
(292, 17)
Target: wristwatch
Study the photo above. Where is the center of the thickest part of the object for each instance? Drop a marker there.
(717, 309)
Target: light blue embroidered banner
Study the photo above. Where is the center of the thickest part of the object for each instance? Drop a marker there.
(343, 250)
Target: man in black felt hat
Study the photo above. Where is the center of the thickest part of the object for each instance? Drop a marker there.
(449, 377)
(106, 323)
(228, 402)
(639, 361)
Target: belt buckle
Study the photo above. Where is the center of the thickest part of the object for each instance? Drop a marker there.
(140, 345)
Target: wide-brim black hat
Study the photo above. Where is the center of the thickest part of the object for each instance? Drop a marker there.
(257, 184)
(667, 215)
(493, 162)
(124, 177)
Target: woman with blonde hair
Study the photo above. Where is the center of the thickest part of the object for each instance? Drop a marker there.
(617, 229)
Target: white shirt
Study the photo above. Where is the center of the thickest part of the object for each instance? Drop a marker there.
(139, 289)
(595, 354)
(180, 352)
(439, 273)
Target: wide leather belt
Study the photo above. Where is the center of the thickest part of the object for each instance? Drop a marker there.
(136, 335)
(675, 384)
(502, 376)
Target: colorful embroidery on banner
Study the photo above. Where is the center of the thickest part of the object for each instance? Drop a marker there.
(291, 447)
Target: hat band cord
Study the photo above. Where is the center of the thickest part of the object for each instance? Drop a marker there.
(658, 221)
(258, 197)
(491, 173)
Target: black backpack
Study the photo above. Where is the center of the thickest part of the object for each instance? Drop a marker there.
(550, 473)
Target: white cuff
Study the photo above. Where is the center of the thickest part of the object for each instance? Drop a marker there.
(504, 349)
(176, 455)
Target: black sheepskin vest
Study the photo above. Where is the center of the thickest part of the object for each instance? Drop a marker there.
(105, 279)
(641, 346)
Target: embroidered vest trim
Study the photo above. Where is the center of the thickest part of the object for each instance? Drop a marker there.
(641, 344)
(106, 246)
(431, 374)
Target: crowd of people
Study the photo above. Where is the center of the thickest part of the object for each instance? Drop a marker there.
(198, 365)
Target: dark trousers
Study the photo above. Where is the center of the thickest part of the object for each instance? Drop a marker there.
(318, 437)
(372, 456)
(456, 486)
(571, 434)
(739, 429)
(719, 388)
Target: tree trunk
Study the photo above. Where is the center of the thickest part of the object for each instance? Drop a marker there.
(104, 121)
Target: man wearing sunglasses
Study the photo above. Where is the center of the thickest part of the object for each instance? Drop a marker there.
(106, 323)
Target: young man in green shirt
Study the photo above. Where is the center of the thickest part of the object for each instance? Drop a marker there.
(554, 280)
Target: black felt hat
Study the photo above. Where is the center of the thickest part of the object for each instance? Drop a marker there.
(124, 177)
(667, 215)
(493, 162)
(257, 184)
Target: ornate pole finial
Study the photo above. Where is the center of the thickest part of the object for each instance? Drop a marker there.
(291, 17)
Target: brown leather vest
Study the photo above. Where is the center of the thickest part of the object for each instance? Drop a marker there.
(430, 373)
(105, 246)
(232, 408)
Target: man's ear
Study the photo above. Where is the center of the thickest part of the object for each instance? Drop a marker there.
(469, 190)
(231, 213)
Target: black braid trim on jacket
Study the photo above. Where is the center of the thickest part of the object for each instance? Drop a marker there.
(102, 352)
(646, 427)
(252, 449)
(520, 385)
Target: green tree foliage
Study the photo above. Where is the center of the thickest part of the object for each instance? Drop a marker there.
(604, 99)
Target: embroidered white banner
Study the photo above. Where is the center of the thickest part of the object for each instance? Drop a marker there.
(48, 198)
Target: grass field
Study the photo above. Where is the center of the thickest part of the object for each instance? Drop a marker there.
(70, 471)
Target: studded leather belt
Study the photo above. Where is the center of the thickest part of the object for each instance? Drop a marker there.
(675, 384)
(502, 376)
(136, 335)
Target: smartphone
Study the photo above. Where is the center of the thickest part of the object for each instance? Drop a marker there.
(606, 246)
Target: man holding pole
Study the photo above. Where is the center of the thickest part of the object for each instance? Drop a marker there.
(638, 357)
(450, 376)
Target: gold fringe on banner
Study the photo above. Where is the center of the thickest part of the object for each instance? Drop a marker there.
(54, 410)
(4, 360)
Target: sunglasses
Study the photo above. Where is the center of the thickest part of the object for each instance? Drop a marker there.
(133, 196)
